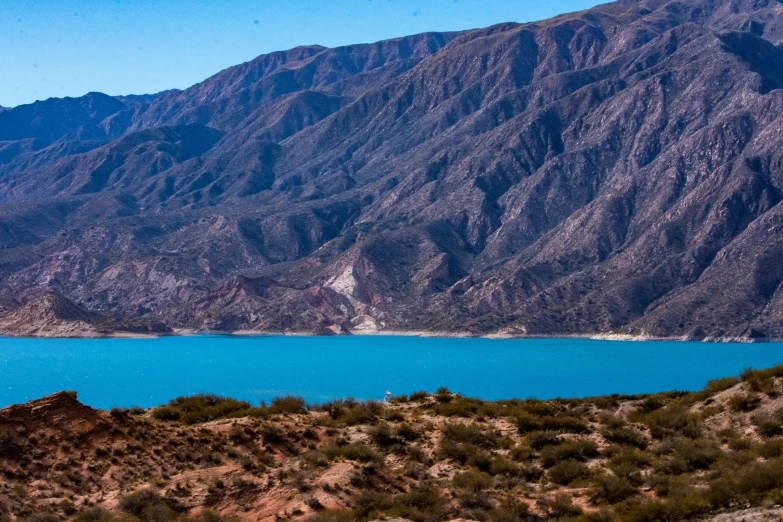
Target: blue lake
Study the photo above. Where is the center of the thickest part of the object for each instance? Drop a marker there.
(148, 372)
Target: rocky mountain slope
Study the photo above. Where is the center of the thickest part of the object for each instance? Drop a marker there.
(52, 315)
(713, 455)
(617, 170)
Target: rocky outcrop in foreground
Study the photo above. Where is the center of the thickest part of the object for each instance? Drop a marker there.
(716, 455)
(617, 170)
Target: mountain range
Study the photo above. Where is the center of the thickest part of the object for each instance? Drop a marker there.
(613, 171)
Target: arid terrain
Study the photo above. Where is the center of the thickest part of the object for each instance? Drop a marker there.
(426, 458)
(613, 171)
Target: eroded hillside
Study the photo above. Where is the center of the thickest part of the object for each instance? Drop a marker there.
(426, 458)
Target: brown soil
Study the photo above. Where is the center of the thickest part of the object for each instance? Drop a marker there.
(59, 456)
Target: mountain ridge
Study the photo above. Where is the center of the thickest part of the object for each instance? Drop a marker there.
(607, 171)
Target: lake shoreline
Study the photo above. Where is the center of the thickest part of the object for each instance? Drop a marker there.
(438, 334)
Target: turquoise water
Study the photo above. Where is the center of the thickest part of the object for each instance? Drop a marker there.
(148, 372)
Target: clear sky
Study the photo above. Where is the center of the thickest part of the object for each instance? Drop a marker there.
(70, 47)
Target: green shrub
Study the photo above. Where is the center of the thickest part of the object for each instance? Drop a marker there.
(767, 425)
(332, 515)
(473, 481)
(771, 449)
(458, 406)
(626, 436)
(362, 413)
(333, 408)
(628, 472)
(66, 506)
(510, 510)
(673, 420)
(288, 404)
(257, 412)
(370, 502)
(443, 394)
(521, 453)
(419, 396)
(119, 413)
(166, 413)
(136, 410)
(740, 444)
(539, 408)
(99, 514)
(698, 454)
(539, 439)
(351, 412)
(750, 374)
(473, 434)
(604, 403)
(610, 488)
(604, 514)
(567, 471)
(481, 460)
(493, 410)
(564, 424)
(531, 472)
(400, 399)
(392, 415)
(527, 422)
(684, 502)
(559, 506)
(730, 461)
(407, 432)
(749, 483)
(357, 451)
(147, 505)
(420, 504)
(611, 421)
(579, 450)
(647, 510)
(672, 465)
(504, 466)
(314, 459)
(651, 404)
(714, 387)
(311, 434)
(271, 434)
(384, 435)
(478, 502)
(456, 451)
(743, 402)
(630, 456)
(202, 407)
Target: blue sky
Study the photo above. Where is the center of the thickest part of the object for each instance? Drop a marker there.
(70, 47)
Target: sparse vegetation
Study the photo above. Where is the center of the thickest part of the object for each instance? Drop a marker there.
(668, 456)
(744, 402)
(288, 404)
(200, 408)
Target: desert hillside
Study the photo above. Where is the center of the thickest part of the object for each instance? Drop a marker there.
(426, 458)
